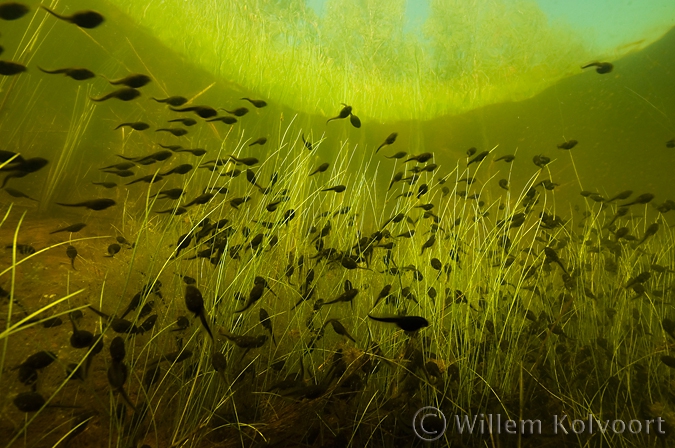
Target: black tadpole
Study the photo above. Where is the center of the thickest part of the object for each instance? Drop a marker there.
(600, 67)
(83, 19)
(267, 323)
(388, 141)
(117, 376)
(80, 338)
(255, 295)
(175, 101)
(195, 304)
(344, 113)
(406, 323)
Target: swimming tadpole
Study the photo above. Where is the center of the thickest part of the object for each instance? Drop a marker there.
(248, 161)
(184, 121)
(388, 141)
(225, 119)
(201, 199)
(78, 74)
(261, 141)
(651, 231)
(623, 195)
(397, 178)
(158, 156)
(384, 293)
(552, 256)
(83, 19)
(136, 126)
(172, 193)
(239, 112)
(642, 199)
(202, 111)
(124, 94)
(255, 295)
(94, 204)
(600, 67)
(320, 169)
(245, 342)
(339, 328)
(18, 194)
(175, 101)
(252, 178)
(478, 158)
(541, 160)
(428, 243)
(12, 10)
(257, 103)
(198, 152)
(347, 296)
(71, 228)
(398, 155)
(134, 80)
(180, 169)
(336, 189)
(344, 113)
(307, 144)
(266, 322)
(80, 338)
(236, 202)
(507, 158)
(29, 401)
(20, 167)
(288, 216)
(569, 144)
(71, 252)
(421, 158)
(406, 323)
(113, 249)
(8, 68)
(195, 304)
(117, 377)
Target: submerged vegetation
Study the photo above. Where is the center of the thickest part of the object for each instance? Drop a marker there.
(469, 53)
(238, 325)
(250, 278)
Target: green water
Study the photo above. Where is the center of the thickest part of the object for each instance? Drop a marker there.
(511, 330)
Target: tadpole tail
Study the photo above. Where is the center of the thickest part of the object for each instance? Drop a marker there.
(58, 16)
(202, 317)
(126, 398)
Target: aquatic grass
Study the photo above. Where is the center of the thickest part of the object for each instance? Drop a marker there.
(375, 63)
(78, 126)
(28, 322)
(495, 357)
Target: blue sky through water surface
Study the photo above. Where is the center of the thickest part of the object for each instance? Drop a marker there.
(606, 24)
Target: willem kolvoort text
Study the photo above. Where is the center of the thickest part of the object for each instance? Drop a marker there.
(495, 424)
